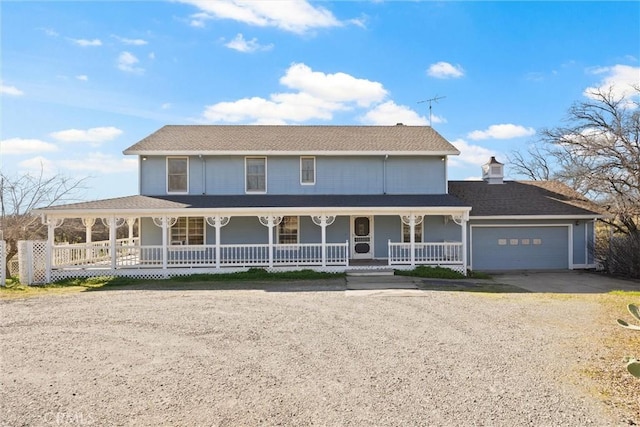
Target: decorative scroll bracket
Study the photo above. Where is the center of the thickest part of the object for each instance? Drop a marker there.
(217, 221)
(270, 221)
(171, 221)
(325, 220)
(406, 219)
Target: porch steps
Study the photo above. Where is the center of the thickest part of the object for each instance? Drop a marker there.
(370, 272)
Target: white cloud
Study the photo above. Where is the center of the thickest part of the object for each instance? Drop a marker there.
(502, 131)
(25, 146)
(127, 63)
(389, 113)
(339, 87)
(86, 42)
(50, 32)
(10, 90)
(166, 106)
(470, 154)
(36, 165)
(152, 55)
(132, 42)
(445, 70)
(82, 77)
(93, 135)
(296, 107)
(101, 163)
(318, 96)
(246, 46)
(620, 78)
(293, 16)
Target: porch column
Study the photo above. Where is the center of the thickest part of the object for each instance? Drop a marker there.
(270, 222)
(113, 223)
(323, 221)
(165, 222)
(412, 221)
(464, 245)
(130, 222)
(52, 223)
(462, 220)
(218, 222)
(88, 224)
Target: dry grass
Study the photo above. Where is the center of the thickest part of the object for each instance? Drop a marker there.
(603, 359)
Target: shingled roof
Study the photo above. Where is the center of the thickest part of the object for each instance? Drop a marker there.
(146, 204)
(266, 139)
(523, 198)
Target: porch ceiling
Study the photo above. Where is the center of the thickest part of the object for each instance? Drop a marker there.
(149, 205)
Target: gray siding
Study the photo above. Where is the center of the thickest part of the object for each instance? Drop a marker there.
(243, 231)
(334, 175)
(437, 229)
(386, 228)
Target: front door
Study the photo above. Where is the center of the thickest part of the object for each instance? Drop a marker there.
(361, 237)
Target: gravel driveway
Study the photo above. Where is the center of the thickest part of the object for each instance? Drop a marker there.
(185, 356)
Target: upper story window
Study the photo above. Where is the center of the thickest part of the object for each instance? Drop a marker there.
(188, 231)
(177, 174)
(288, 230)
(256, 174)
(307, 170)
(406, 233)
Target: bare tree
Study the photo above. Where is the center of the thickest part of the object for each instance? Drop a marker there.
(597, 153)
(21, 194)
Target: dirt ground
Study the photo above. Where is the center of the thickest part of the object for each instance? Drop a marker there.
(304, 354)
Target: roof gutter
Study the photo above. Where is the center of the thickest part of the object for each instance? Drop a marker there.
(287, 153)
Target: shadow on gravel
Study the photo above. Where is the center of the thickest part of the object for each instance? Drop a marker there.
(463, 286)
(334, 285)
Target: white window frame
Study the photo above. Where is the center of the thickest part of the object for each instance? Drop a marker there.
(169, 191)
(302, 182)
(297, 231)
(418, 226)
(246, 181)
(173, 242)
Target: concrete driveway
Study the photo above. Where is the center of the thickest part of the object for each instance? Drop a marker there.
(568, 282)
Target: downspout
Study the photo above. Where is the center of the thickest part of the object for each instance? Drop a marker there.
(384, 174)
(203, 161)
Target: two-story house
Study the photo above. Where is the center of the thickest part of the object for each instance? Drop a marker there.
(216, 198)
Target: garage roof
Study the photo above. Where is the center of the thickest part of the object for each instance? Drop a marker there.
(526, 198)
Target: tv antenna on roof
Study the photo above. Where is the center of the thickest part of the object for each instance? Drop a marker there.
(430, 101)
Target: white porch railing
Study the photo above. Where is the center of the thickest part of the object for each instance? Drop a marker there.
(87, 254)
(98, 255)
(426, 253)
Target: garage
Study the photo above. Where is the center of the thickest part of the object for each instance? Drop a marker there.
(519, 247)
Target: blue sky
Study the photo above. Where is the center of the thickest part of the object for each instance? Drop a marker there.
(82, 81)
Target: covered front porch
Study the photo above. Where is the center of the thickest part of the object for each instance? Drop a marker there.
(171, 241)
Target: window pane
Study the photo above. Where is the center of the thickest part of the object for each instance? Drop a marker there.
(307, 170)
(288, 230)
(188, 231)
(256, 174)
(177, 178)
(361, 226)
(179, 232)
